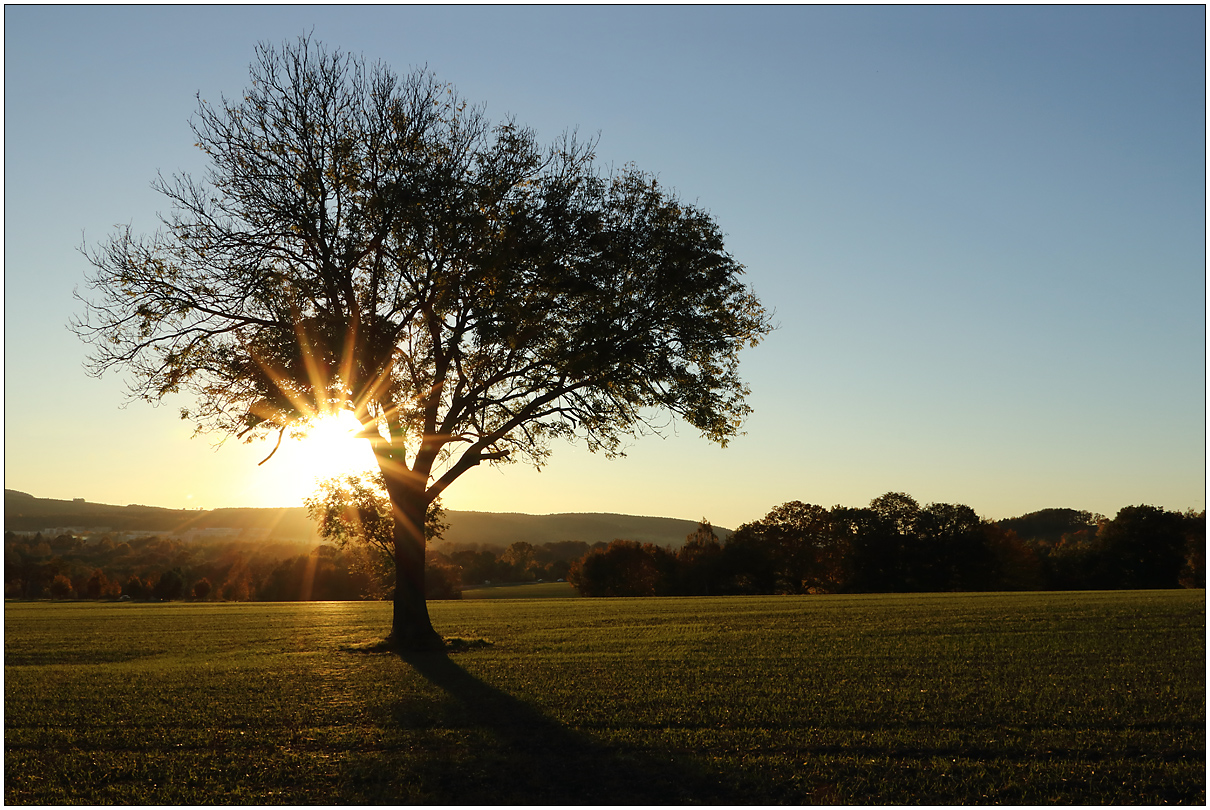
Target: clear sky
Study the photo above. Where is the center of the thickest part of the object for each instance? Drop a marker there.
(982, 230)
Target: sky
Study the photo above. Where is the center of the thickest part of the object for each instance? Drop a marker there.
(981, 231)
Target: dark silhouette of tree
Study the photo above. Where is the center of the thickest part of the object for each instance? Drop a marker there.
(442, 580)
(699, 563)
(371, 242)
(1193, 572)
(1016, 564)
(1050, 525)
(952, 551)
(201, 589)
(97, 585)
(478, 567)
(882, 544)
(803, 548)
(135, 588)
(169, 586)
(1142, 547)
(625, 568)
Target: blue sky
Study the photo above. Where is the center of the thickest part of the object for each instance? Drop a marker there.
(982, 230)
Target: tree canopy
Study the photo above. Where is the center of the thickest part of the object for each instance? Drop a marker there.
(372, 242)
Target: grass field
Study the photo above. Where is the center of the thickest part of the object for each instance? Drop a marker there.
(1085, 698)
(524, 590)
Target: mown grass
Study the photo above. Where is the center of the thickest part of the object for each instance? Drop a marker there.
(524, 590)
(1085, 698)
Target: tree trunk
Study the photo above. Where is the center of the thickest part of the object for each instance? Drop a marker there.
(411, 628)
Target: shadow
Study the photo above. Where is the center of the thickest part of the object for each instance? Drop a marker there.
(484, 746)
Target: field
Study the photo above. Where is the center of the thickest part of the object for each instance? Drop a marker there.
(524, 590)
(1084, 698)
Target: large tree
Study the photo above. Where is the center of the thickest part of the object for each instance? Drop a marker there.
(370, 242)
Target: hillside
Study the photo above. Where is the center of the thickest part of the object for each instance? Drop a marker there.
(25, 513)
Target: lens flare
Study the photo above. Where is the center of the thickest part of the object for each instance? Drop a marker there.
(330, 447)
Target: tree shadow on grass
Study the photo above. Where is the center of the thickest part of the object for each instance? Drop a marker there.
(483, 746)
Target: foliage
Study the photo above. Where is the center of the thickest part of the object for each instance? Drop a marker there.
(201, 589)
(952, 699)
(442, 581)
(60, 587)
(624, 568)
(371, 242)
(897, 546)
(356, 508)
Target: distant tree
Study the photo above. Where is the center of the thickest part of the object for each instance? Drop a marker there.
(97, 585)
(372, 243)
(699, 563)
(1015, 563)
(1049, 525)
(804, 551)
(201, 589)
(519, 556)
(1071, 563)
(135, 588)
(1193, 572)
(65, 542)
(882, 544)
(60, 587)
(1142, 547)
(442, 580)
(952, 551)
(169, 586)
(624, 568)
(479, 566)
(238, 583)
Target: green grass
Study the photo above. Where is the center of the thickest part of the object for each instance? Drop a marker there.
(525, 590)
(1084, 698)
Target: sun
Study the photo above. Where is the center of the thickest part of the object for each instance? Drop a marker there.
(330, 448)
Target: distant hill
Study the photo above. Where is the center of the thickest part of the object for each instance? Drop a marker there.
(25, 513)
(1050, 524)
(503, 529)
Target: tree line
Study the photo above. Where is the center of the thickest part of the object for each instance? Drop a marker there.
(895, 545)
(68, 566)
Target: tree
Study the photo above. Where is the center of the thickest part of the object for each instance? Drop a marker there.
(355, 508)
(624, 568)
(699, 561)
(169, 586)
(804, 551)
(135, 588)
(61, 587)
(881, 541)
(97, 585)
(370, 242)
(201, 589)
(1193, 572)
(519, 556)
(1142, 547)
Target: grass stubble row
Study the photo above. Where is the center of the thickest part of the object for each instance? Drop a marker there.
(1076, 698)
